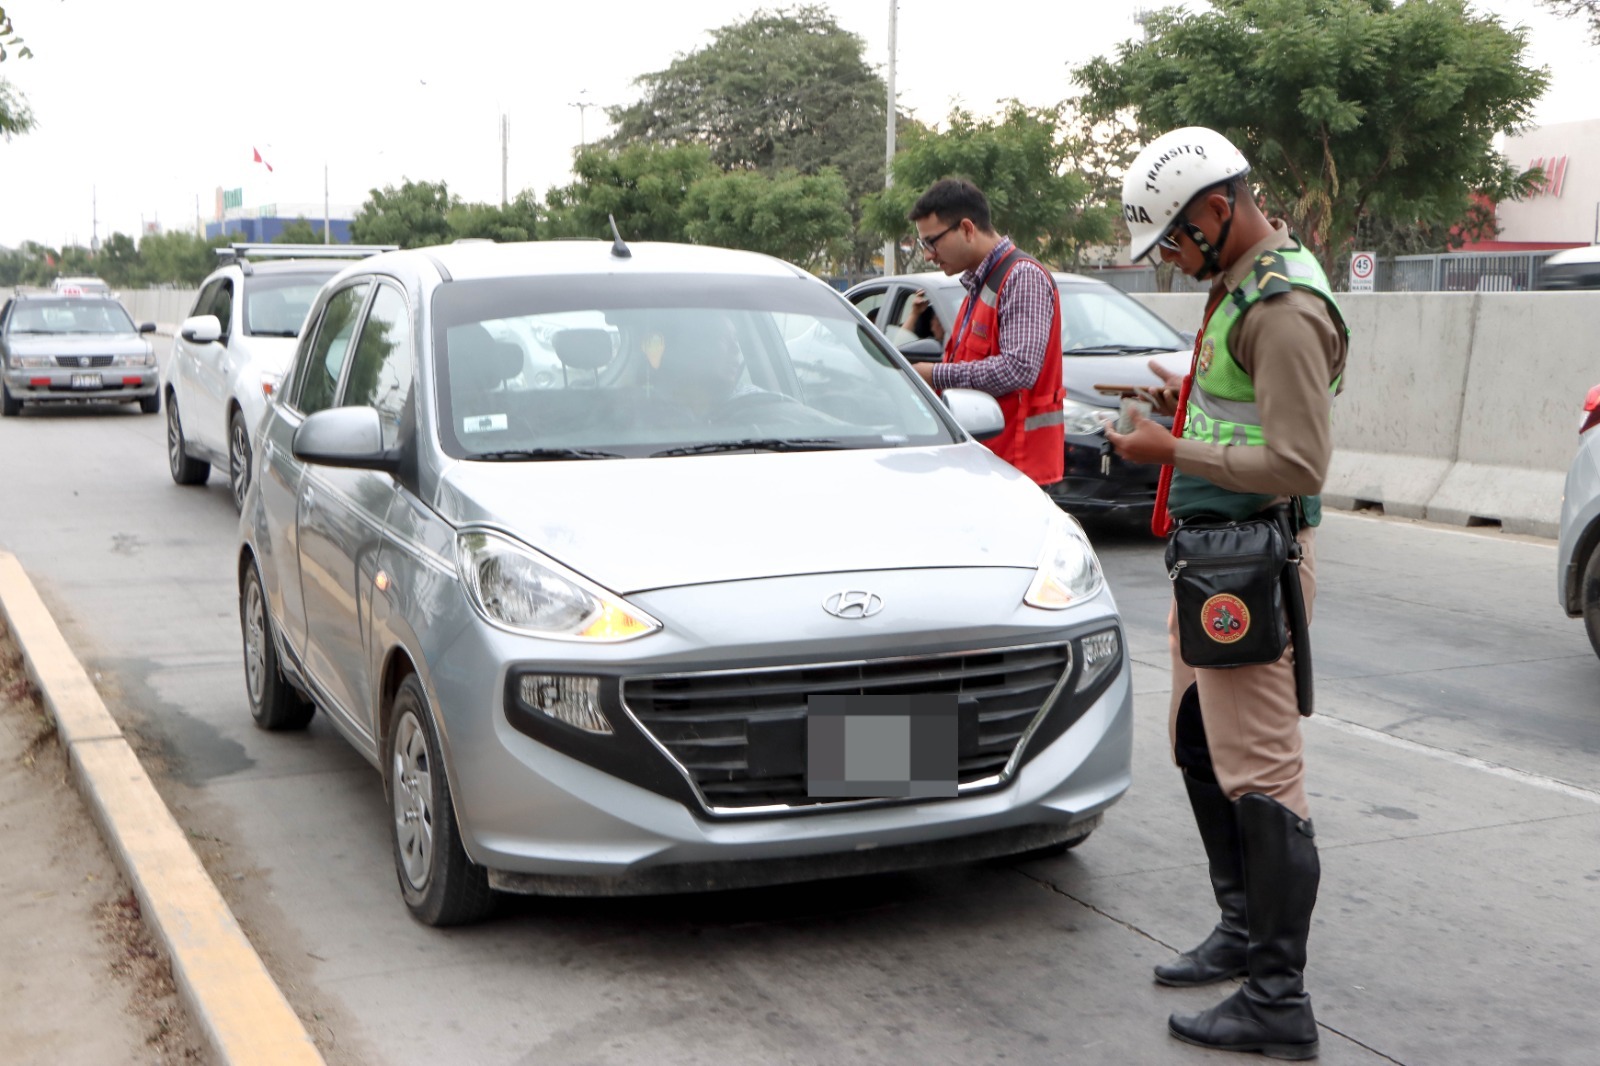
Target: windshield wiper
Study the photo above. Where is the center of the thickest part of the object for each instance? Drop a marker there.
(1118, 349)
(757, 444)
(534, 455)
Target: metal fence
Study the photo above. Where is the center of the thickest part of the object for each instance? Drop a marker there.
(1447, 272)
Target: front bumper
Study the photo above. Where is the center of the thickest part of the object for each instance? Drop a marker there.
(110, 384)
(551, 817)
(1124, 489)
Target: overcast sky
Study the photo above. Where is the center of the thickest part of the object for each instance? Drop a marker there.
(143, 109)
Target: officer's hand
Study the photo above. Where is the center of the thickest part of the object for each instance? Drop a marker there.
(1164, 398)
(1147, 442)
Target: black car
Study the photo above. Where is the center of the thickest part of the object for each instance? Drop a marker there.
(1107, 338)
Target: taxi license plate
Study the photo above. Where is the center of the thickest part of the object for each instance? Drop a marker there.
(86, 381)
(871, 747)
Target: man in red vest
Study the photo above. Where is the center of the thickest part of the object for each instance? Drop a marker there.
(1006, 340)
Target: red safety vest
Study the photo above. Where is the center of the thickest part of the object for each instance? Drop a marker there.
(1034, 440)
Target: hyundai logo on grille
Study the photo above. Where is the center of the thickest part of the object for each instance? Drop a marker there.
(853, 604)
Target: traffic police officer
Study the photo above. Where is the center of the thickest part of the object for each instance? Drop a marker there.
(1255, 433)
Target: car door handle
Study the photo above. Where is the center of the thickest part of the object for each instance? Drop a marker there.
(309, 495)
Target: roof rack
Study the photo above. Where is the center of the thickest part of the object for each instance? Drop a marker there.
(239, 252)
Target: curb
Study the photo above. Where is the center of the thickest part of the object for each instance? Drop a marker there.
(238, 1007)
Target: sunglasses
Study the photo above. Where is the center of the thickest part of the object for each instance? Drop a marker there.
(1167, 241)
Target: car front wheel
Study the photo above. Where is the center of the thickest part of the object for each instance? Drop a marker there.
(440, 884)
(185, 471)
(10, 406)
(238, 459)
(1589, 593)
(274, 703)
(149, 405)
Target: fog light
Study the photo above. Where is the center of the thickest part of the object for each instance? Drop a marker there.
(573, 700)
(1101, 652)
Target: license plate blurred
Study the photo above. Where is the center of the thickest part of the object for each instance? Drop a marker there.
(86, 381)
(878, 747)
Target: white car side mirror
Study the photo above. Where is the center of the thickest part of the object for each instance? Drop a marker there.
(201, 329)
(976, 412)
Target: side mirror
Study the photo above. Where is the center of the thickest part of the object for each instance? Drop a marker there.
(976, 412)
(147, 327)
(344, 436)
(923, 350)
(201, 329)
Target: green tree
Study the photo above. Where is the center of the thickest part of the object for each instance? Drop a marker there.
(118, 262)
(643, 185)
(14, 114)
(300, 231)
(179, 257)
(516, 221)
(782, 90)
(796, 217)
(413, 216)
(1344, 107)
(1020, 161)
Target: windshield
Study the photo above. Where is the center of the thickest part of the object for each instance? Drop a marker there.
(275, 305)
(601, 367)
(1095, 320)
(70, 316)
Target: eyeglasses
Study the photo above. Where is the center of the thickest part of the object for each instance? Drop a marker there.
(927, 243)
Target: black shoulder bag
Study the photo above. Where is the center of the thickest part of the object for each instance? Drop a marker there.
(1237, 589)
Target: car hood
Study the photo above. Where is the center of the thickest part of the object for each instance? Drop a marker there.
(1081, 373)
(638, 524)
(76, 344)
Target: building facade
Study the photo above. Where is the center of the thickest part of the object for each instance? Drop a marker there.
(1565, 211)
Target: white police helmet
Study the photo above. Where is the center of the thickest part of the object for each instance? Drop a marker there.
(1169, 172)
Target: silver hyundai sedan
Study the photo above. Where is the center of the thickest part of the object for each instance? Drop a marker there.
(655, 569)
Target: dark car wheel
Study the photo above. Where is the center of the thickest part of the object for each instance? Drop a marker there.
(185, 471)
(1589, 595)
(440, 884)
(238, 459)
(149, 405)
(274, 703)
(10, 406)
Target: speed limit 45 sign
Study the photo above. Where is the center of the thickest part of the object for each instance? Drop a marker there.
(1363, 266)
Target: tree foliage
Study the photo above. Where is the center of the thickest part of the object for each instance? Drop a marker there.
(1023, 162)
(516, 221)
(643, 185)
(415, 215)
(800, 218)
(14, 114)
(300, 231)
(782, 90)
(1345, 108)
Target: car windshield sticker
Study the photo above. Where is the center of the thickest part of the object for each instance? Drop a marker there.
(1226, 618)
(483, 423)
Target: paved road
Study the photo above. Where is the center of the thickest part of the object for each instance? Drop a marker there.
(1454, 774)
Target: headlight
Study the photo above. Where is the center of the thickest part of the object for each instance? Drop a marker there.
(1068, 570)
(1083, 418)
(515, 587)
(32, 361)
(143, 359)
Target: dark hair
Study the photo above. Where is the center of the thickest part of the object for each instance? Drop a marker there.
(951, 200)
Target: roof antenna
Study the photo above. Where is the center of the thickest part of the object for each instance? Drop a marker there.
(619, 247)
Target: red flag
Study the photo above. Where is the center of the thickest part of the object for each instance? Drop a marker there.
(263, 162)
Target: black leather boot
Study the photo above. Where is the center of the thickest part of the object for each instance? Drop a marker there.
(1271, 1012)
(1222, 954)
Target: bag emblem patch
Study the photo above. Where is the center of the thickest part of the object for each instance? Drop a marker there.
(1225, 618)
(1208, 351)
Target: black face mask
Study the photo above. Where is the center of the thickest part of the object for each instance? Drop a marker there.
(1212, 255)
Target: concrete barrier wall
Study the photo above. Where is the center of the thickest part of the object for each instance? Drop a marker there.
(1457, 407)
(165, 307)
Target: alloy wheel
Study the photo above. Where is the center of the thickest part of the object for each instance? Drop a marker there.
(174, 439)
(238, 461)
(255, 643)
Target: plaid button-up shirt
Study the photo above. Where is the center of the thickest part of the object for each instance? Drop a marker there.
(1027, 304)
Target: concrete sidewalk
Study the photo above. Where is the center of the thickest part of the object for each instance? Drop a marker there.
(233, 1001)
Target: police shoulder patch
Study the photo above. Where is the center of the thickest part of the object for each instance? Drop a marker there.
(1269, 274)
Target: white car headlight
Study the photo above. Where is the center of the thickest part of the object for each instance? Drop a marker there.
(146, 358)
(1068, 571)
(515, 587)
(1083, 418)
(32, 362)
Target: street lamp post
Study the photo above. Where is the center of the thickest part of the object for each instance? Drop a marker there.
(582, 106)
(891, 246)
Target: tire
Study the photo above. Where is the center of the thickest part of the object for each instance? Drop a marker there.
(440, 885)
(274, 703)
(149, 405)
(10, 406)
(238, 460)
(1589, 596)
(185, 471)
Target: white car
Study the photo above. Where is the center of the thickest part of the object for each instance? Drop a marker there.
(233, 348)
(1578, 551)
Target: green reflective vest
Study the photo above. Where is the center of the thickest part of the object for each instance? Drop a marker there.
(1222, 402)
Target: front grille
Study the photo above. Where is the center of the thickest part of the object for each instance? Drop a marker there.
(741, 736)
(76, 361)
